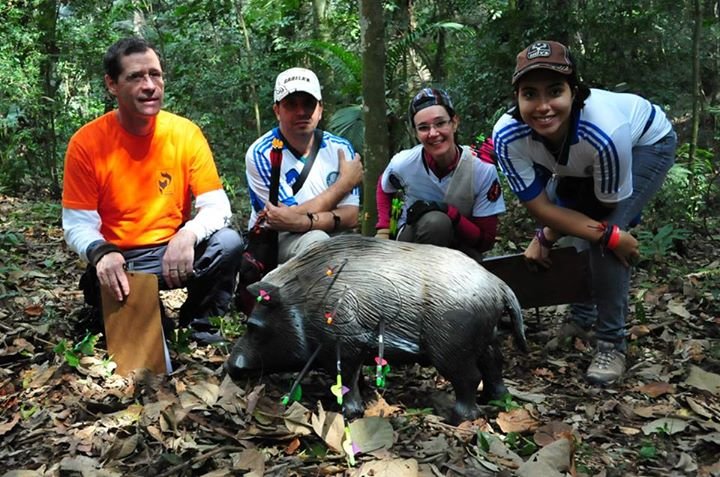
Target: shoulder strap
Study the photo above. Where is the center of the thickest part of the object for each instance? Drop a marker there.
(317, 140)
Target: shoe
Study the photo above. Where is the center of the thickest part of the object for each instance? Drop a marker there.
(607, 366)
(208, 337)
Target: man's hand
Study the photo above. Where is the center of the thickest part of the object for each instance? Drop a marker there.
(111, 275)
(286, 219)
(177, 266)
(350, 172)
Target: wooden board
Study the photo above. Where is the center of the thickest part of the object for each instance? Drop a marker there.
(568, 280)
(133, 328)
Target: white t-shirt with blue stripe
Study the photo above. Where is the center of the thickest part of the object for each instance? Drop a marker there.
(601, 142)
(323, 174)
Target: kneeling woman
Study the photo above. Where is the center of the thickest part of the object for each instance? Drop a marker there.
(584, 162)
(452, 196)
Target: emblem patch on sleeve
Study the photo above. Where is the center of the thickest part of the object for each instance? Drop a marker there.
(494, 191)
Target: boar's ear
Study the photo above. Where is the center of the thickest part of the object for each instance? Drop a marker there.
(265, 293)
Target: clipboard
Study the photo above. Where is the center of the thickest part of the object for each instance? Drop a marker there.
(568, 280)
(133, 329)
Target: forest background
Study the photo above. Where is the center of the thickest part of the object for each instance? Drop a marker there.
(221, 58)
(61, 406)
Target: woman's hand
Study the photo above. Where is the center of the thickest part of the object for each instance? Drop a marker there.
(627, 249)
(537, 254)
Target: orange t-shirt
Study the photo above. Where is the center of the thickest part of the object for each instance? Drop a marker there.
(142, 186)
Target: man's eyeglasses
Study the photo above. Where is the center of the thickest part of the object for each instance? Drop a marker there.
(437, 125)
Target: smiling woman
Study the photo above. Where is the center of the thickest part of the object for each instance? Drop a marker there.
(584, 163)
(451, 196)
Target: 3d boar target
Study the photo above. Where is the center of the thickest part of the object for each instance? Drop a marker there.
(353, 300)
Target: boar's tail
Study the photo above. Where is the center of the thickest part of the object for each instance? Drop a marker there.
(512, 305)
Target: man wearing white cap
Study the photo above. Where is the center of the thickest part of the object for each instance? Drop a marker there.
(319, 174)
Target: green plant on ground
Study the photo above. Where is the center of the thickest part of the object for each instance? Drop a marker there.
(506, 403)
(522, 445)
(180, 340)
(647, 451)
(230, 325)
(656, 246)
(72, 354)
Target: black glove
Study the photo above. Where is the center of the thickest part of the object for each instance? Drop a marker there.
(422, 207)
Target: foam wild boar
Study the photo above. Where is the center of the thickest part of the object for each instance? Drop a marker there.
(430, 305)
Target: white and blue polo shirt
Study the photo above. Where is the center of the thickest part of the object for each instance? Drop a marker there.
(601, 140)
(323, 174)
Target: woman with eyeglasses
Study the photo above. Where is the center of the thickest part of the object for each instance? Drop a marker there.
(451, 195)
(584, 162)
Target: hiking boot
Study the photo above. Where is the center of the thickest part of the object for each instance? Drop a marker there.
(205, 338)
(607, 366)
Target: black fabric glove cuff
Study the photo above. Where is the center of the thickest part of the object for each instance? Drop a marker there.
(99, 249)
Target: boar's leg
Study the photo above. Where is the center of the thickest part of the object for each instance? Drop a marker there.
(491, 364)
(453, 347)
(352, 402)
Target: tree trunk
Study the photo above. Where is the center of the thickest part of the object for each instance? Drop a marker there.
(321, 33)
(697, 94)
(49, 84)
(374, 116)
(249, 63)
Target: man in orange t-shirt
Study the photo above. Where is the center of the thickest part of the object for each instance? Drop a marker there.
(130, 178)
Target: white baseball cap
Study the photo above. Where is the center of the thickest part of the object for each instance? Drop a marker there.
(294, 80)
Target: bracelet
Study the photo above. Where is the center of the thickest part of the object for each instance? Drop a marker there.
(336, 221)
(542, 239)
(99, 249)
(611, 237)
(312, 220)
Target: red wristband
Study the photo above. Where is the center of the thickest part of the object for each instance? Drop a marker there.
(614, 239)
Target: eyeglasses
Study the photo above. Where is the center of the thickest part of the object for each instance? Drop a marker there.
(441, 125)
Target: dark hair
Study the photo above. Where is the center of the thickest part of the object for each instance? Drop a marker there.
(582, 91)
(124, 47)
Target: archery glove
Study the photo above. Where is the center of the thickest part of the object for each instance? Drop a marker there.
(422, 207)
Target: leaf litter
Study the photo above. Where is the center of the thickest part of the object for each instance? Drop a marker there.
(58, 419)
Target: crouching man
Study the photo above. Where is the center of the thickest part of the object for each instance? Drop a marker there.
(130, 178)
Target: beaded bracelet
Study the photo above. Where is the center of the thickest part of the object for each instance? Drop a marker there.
(542, 239)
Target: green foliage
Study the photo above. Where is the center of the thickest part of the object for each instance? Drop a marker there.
(522, 445)
(230, 325)
(72, 354)
(482, 441)
(179, 341)
(51, 79)
(656, 246)
(647, 451)
(348, 123)
(506, 403)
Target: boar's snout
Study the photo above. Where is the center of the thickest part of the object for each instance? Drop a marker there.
(241, 365)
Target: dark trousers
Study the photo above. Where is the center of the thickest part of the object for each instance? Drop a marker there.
(210, 289)
(436, 228)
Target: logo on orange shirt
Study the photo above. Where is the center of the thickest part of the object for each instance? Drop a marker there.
(164, 183)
